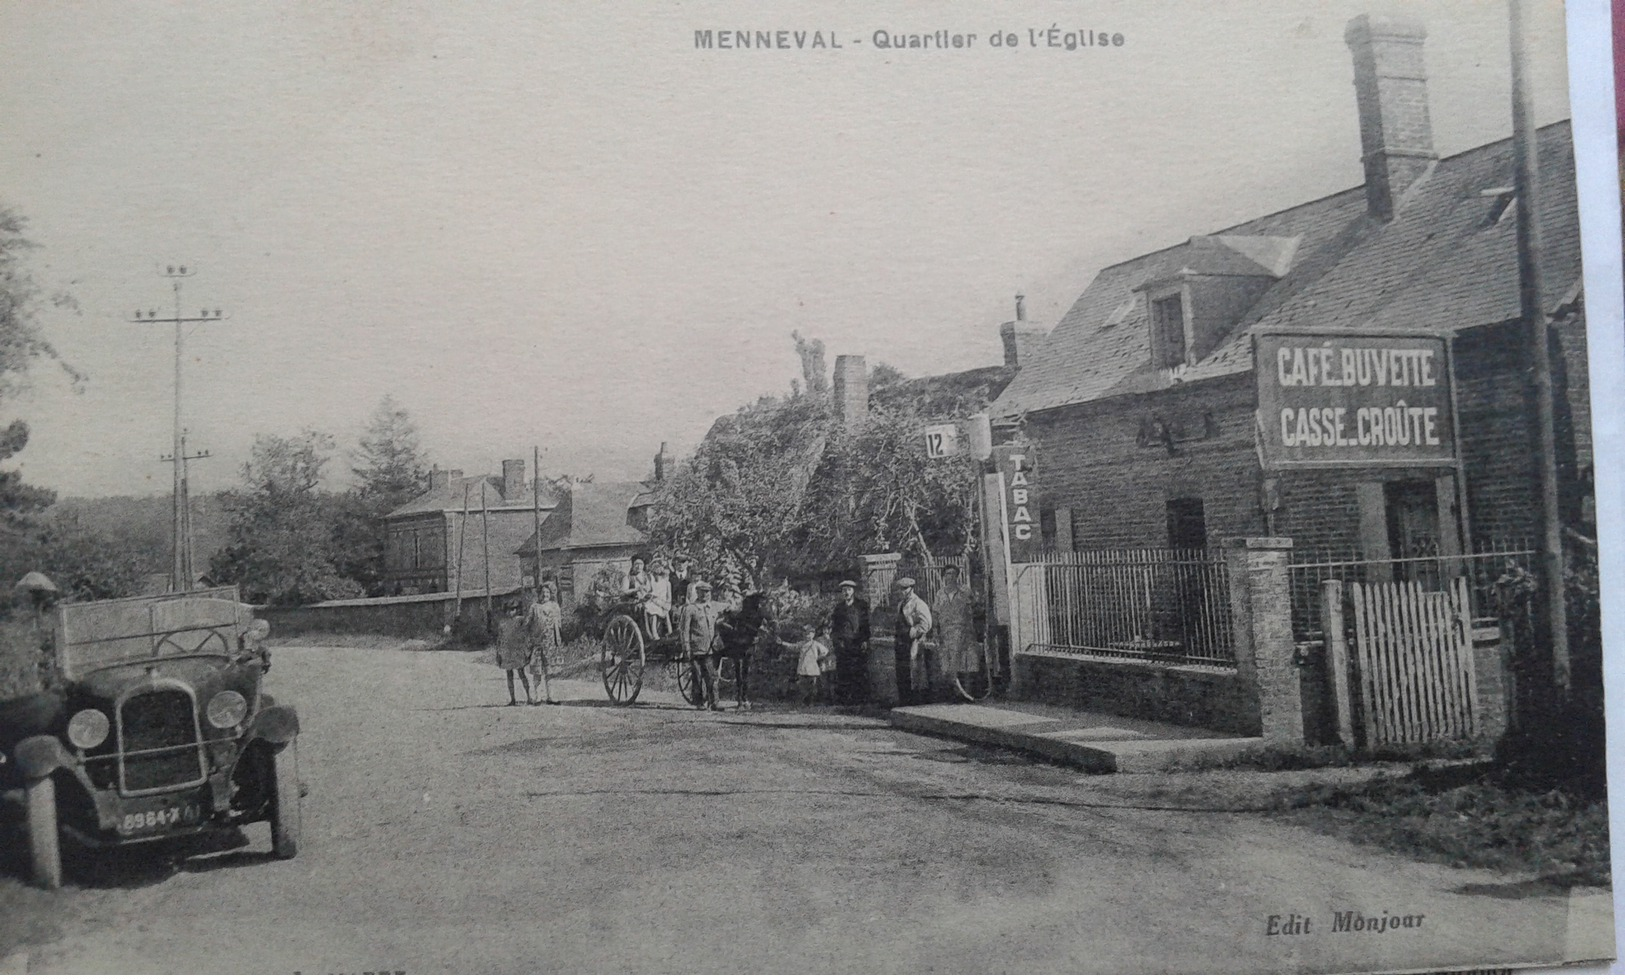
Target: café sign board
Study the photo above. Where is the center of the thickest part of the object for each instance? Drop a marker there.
(1354, 399)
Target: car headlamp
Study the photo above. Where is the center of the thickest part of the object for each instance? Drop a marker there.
(226, 709)
(88, 728)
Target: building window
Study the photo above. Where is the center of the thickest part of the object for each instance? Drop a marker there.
(1168, 331)
(1187, 525)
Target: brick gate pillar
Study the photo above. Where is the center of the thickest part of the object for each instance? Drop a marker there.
(1261, 614)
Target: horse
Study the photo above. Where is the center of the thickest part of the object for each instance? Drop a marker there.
(739, 632)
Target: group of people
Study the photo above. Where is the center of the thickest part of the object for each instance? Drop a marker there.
(932, 645)
(526, 636)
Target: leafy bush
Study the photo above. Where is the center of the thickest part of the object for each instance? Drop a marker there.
(1466, 818)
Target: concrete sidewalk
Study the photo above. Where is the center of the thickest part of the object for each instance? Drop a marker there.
(1090, 740)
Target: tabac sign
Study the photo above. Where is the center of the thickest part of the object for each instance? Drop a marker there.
(1020, 504)
(1354, 399)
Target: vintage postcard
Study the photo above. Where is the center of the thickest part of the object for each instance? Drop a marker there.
(823, 488)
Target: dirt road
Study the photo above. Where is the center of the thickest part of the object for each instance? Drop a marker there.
(445, 833)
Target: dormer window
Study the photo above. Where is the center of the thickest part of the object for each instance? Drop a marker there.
(1168, 344)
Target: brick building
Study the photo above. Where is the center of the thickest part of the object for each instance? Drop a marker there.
(595, 526)
(423, 538)
(1142, 401)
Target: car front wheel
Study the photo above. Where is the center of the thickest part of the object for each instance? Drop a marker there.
(285, 802)
(44, 843)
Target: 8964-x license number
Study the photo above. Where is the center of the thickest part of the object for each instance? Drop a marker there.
(161, 818)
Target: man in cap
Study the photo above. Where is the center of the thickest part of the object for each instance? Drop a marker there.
(697, 628)
(849, 640)
(913, 623)
(682, 579)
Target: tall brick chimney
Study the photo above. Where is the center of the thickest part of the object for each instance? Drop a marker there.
(851, 389)
(439, 479)
(663, 464)
(513, 478)
(1020, 338)
(1391, 90)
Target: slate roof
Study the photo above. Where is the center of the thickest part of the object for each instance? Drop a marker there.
(1443, 261)
(450, 498)
(592, 515)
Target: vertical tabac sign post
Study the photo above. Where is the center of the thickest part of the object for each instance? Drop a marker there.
(181, 572)
(995, 556)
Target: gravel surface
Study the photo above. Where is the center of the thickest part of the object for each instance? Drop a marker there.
(444, 832)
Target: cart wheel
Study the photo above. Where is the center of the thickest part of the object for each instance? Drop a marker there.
(622, 660)
(686, 686)
(285, 806)
(44, 843)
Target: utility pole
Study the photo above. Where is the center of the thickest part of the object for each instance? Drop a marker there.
(1526, 184)
(181, 569)
(184, 570)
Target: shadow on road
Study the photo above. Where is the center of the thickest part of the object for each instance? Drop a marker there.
(137, 865)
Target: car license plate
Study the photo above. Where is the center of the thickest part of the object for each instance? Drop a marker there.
(159, 819)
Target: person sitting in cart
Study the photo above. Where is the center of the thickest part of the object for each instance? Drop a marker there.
(657, 607)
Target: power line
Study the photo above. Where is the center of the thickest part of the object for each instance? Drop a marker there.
(181, 571)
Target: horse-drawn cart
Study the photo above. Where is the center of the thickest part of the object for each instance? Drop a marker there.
(628, 650)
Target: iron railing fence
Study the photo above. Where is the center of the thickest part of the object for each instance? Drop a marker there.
(1488, 563)
(1156, 604)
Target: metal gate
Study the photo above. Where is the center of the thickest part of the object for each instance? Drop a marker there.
(1404, 655)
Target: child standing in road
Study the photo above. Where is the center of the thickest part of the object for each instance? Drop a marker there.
(810, 655)
(513, 650)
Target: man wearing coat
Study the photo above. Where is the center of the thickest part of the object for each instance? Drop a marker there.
(697, 628)
(913, 624)
(849, 641)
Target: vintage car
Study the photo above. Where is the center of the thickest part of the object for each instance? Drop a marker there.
(158, 729)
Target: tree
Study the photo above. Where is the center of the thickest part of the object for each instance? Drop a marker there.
(814, 374)
(22, 344)
(389, 470)
(281, 545)
(780, 486)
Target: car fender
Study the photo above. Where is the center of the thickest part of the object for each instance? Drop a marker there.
(40, 755)
(275, 725)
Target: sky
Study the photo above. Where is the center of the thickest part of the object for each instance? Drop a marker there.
(565, 226)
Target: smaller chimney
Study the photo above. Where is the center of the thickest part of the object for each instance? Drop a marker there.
(663, 463)
(851, 389)
(1019, 337)
(1391, 91)
(513, 478)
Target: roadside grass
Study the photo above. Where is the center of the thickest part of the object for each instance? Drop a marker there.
(1464, 816)
(1466, 811)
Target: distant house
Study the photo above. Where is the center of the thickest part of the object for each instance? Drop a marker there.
(432, 546)
(595, 525)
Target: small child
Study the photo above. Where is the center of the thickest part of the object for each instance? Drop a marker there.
(810, 657)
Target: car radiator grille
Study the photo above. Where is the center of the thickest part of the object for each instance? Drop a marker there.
(160, 740)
